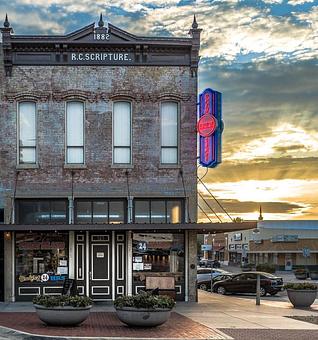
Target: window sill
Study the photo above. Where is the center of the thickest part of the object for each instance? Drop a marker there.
(169, 166)
(122, 166)
(75, 166)
(27, 166)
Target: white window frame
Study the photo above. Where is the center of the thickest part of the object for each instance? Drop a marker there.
(18, 133)
(66, 142)
(178, 133)
(113, 134)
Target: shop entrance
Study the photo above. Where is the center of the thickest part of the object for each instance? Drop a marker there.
(100, 264)
(1, 267)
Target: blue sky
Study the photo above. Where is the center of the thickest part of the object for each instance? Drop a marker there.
(262, 55)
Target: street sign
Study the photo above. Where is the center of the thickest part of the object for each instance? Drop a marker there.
(306, 252)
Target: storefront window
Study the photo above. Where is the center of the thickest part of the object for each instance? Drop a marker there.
(42, 211)
(158, 211)
(157, 254)
(41, 253)
(99, 211)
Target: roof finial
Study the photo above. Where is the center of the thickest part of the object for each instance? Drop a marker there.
(101, 22)
(260, 217)
(6, 22)
(194, 24)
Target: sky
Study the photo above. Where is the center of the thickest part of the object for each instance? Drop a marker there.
(262, 56)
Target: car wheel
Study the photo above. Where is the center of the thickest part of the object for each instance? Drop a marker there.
(203, 286)
(221, 290)
(263, 291)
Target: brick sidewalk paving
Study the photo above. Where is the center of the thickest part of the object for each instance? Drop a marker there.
(106, 324)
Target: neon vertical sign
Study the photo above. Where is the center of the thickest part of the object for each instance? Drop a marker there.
(210, 127)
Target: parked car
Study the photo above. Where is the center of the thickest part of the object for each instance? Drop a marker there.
(206, 284)
(205, 274)
(246, 283)
(209, 263)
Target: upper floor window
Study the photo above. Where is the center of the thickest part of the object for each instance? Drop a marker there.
(34, 211)
(169, 132)
(75, 132)
(122, 133)
(100, 211)
(27, 133)
(158, 211)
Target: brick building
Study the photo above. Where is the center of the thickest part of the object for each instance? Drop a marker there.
(98, 162)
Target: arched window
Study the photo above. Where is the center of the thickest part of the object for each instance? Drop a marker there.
(169, 132)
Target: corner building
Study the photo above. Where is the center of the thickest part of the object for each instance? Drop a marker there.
(98, 156)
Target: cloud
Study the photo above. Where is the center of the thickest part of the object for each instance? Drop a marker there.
(237, 207)
(299, 2)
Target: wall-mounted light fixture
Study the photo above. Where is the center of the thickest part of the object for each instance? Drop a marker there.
(7, 235)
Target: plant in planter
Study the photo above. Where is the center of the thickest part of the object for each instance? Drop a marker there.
(266, 267)
(144, 309)
(301, 274)
(314, 274)
(62, 310)
(301, 294)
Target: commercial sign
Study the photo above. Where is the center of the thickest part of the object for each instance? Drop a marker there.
(206, 247)
(284, 238)
(210, 128)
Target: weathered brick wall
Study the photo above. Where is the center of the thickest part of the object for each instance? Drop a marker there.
(51, 86)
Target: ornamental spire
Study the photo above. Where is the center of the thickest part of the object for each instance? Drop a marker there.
(6, 22)
(260, 217)
(101, 22)
(194, 23)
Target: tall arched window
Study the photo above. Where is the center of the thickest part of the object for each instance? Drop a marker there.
(75, 132)
(169, 132)
(122, 132)
(26, 132)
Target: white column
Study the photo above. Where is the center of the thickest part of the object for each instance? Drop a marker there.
(129, 272)
(71, 255)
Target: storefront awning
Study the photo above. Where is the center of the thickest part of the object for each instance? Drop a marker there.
(199, 227)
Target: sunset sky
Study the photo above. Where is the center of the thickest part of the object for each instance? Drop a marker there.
(262, 55)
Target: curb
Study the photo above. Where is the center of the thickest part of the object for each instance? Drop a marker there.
(13, 334)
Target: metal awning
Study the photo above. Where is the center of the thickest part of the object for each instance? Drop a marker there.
(199, 227)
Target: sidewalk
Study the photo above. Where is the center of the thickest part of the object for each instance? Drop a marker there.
(213, 317)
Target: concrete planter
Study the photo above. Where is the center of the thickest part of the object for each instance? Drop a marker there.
(301, 276)
(314, 275)
(302, 298)
(143, 317)
(62, 316)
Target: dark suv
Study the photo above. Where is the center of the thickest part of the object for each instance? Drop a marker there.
(246, 283)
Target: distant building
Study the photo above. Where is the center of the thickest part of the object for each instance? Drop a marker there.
(287, 244)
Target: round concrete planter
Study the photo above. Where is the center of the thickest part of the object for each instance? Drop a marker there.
(62, 316)
(302, 298)
(314, 275)
(143, 317)
(301, 276)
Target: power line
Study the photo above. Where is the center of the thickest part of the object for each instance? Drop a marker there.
(205, 201)
(205, 213)
(220, 205)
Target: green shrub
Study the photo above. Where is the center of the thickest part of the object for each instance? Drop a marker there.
(266, 267)
(62, 300)
(145, 300)
(301, 286)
